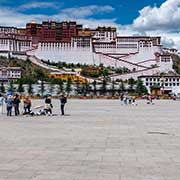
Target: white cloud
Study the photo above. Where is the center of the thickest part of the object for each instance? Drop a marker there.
(86, 11)
(35, 5)
(171, 40)
(166, 17)
(12, 17)
(162, 21)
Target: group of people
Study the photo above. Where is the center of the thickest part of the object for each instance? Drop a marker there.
(127, 100)
(13, 102)
(131, 100)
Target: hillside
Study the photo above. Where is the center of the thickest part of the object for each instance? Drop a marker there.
(176, 63)
(26, 66)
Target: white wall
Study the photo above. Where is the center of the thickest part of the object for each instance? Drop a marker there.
(69, 55)
(135, 75)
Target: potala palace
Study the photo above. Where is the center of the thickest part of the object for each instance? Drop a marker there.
(71, 43)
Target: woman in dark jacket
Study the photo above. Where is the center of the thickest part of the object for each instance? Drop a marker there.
(63, 101)
(16, 102)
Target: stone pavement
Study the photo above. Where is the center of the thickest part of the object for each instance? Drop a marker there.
(97, 140)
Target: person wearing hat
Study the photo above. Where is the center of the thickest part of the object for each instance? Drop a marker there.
(63, 101)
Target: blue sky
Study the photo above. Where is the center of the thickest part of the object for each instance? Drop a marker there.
(125, 11)
(150, 17)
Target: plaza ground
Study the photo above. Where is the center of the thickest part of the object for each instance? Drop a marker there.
(96, 140)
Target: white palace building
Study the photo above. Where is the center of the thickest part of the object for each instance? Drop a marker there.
(71, 43)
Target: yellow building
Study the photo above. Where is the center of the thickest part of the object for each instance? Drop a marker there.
(65, 76)
(85, 32)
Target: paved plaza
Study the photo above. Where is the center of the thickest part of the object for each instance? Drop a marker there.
(96, 140)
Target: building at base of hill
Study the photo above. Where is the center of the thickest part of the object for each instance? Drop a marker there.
(162, 84)
(9, 74)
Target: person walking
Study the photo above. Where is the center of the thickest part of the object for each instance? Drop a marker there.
(63, 101)
(16, 102)
(9, 104)
(1, 104)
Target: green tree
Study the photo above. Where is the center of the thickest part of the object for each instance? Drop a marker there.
(2, 88)
(20, 88)
(42, 88)
(60, 84)
(11, 87)
(140, 88)
(40, 75)
(113, 88)
(104, 72)
(29, 80)
(28, 61)
(104, 86)
(131, 83)
(94, 83)
(85, 89)
(68, 86)
(51, 85)
(77, 88)
(121, 87)
(30, 88)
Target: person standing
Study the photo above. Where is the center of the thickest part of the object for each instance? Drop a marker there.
(63, 101)
(134, 101)
(27, 105)
(9, 103)
(48, 105)
(122, 98)
(16, 102)
(1, 104)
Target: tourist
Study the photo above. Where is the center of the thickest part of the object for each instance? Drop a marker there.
(27, 105)
(121, 98)
(9, 104)
(134, 101)
(1, 104)
(129, 100)
(149, 100)
(63, 101)
(16, 102)
(48, 105)
(125, 100)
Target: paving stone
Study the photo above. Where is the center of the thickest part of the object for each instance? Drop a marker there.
(96, 140)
